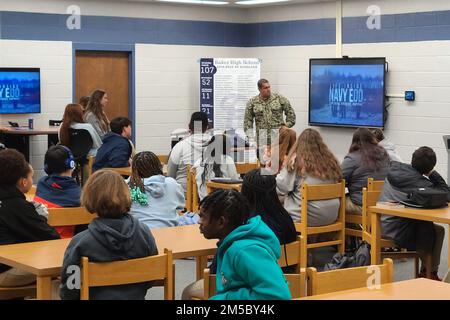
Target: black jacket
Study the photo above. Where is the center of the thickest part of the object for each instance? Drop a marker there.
(109, 240)
(402, 178)
(19, 221)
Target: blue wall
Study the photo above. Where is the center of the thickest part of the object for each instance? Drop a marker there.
(119, 30)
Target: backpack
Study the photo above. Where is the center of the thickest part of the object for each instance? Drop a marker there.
(426, 198)
(359, 258)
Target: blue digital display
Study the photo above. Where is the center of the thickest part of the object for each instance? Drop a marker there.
(20, 90)
(410, 95)
(347, 92)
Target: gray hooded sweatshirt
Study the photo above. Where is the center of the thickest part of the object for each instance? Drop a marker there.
(109, 240)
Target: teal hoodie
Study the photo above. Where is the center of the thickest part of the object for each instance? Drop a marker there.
(247, 265)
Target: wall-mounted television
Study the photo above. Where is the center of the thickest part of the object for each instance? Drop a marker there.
(20, 90)
(347, 92)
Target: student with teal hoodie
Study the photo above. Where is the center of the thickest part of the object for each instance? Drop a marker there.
(155, 198)
(248, 250)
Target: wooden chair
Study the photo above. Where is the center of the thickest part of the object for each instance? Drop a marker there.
(372, 185)
(195, 196)
(189, 190)
(90, 163)
(31, 193)
(322, 192)
(124, 171)
(291, 255)
(211, 186)
(99, 274)
(163, 158)
(347, 279)
(61, 217)
(369, 199)
(244, 167)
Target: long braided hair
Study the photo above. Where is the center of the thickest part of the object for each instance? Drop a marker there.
(212, 156)
(144, 165)
(260, 191)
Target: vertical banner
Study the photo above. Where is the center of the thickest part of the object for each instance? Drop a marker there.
(226, 84)
(207, 71)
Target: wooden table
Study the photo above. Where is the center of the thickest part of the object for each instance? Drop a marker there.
(19, 138)
(45, 258)
(416, 289)
(434, 215)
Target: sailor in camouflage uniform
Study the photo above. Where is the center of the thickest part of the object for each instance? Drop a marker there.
(267, 109)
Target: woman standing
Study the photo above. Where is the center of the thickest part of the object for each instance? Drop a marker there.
(95, 113)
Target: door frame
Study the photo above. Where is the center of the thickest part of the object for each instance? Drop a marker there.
(130, 49)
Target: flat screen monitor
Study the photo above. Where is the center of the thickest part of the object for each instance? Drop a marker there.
(20, 90)
(347, 92)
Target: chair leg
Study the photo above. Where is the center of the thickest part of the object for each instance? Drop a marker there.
(416, 266)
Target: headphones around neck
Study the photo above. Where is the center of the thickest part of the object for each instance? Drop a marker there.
(68, 164)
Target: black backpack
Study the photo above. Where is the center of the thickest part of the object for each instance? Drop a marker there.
(426, 198)
(359, 258)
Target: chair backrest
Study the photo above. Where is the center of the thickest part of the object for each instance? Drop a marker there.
(349, 278)
(163, 158)
(369, 198)
(291, 255)
(211, 186)
(322, 192)
(374, 185)
(55, 123)
(80, 143)
(60, 217)
(244, 167)
(100, 274)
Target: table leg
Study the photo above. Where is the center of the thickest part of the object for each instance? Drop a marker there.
(375, 253)
(201, 265)
(448, 255)
(44, 288)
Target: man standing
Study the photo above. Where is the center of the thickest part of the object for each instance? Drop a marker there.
(267, 109)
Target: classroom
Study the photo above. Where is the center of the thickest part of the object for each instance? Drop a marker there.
(297, 148)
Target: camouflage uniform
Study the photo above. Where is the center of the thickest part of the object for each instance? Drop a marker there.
(268, 114)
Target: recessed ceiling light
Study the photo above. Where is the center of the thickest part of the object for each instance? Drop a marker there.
(250, 2)
(217, 3)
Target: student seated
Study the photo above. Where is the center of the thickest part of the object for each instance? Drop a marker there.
(276, 153)
(19, 220)
(215, 162)
(189, 150)
(116, 149)
(422, 236)
(310, 161)
(366, 159)
(386, 144)
(73, 119)
(115, 235)
(248, 250)
(260, 191)
(155, 198)
(58, 189)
